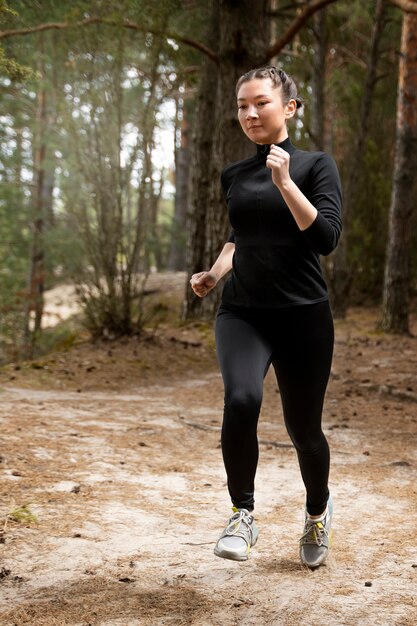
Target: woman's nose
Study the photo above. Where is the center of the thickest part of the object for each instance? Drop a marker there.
(251, 113)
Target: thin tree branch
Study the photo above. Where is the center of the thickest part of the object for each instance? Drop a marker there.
(352, 55)
(295, 26)
(125, 24)
(409, 6)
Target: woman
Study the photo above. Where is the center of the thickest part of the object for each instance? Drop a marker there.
(284, 207)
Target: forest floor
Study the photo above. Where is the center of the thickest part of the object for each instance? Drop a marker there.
(113, 489)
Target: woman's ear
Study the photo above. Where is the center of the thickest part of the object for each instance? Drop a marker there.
(290, 108)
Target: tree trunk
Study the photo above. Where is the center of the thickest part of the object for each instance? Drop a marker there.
(395, 308)
(139, 257)
(338, 267)
(176, 260)
(318, 79)
(35, 288)
(243, 38)
(201, 150)
(154, 239)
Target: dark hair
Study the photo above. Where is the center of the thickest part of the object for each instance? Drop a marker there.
(279, 79)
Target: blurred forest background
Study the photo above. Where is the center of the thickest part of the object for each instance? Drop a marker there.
(117, 118)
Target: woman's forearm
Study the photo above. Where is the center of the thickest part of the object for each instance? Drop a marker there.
(224, 261)
(301, 208)
(304, 213)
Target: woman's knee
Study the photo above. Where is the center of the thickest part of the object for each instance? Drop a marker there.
(309, 444)
(243, 403)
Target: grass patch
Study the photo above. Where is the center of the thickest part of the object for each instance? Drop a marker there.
(22, 515)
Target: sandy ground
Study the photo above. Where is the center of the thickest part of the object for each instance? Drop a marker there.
(115, 450)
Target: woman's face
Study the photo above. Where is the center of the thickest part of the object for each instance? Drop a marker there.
(261, 111)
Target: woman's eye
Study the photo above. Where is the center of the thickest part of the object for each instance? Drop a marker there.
(261, 103)
(241, 107)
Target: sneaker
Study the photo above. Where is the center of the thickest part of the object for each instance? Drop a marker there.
(238, 537)
(316, 539)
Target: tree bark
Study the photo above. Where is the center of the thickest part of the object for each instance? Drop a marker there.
(176, 260)
(243, 36)
(396, 294)
(202, 147)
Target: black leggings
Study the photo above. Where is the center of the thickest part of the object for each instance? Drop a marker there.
(298, 341)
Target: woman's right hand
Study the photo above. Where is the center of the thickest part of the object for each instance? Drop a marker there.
(203, 282)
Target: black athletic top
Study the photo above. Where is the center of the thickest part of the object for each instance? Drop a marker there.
(276, 264)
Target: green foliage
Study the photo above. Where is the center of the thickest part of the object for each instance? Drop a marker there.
(10, 67)
(96, 84)
(13, 70)
(22, 515)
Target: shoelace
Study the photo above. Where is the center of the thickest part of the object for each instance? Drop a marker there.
(314, 532)
(236, 522)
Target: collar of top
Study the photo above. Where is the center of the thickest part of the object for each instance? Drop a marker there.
(262, 150)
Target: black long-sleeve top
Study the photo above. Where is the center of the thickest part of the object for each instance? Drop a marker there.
(276, 264)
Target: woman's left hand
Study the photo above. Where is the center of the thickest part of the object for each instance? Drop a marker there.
(278, 160)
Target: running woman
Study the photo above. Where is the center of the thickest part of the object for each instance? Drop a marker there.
(284, 207)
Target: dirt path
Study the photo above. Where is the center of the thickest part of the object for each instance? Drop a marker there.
(129, 493)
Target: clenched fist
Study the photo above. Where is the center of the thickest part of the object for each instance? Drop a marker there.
(202, 283)
(278, 160)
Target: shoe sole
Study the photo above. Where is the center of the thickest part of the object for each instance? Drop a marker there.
(232, 556)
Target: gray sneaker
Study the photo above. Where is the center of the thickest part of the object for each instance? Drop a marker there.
(316, 539)
(238, 537)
